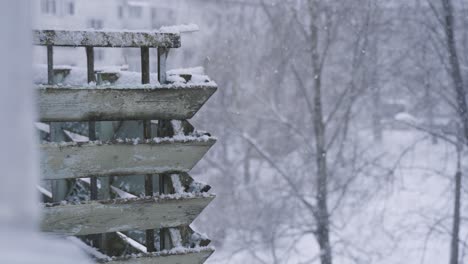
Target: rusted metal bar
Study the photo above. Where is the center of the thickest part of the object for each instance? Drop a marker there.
(162, 59)
(149, 177)
(145, 79)
(145, 65)
(94, 184)
(94, 188)
(91, 125)
(150, 247)
(59, 187)
(50, 65)
(164, 126)
(90, 64)
(165, 129)
(97, 240)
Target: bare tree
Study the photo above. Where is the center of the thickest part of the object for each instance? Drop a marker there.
(288, 123)
(446, 18)
(454, 61)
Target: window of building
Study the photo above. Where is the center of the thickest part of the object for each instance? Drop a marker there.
(120, 11)
(95, 23)
(135, 11)
(99, 54)
(162, 17)
(71, 8)
(49, 7)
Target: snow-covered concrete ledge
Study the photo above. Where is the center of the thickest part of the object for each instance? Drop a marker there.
(176, 85)
(97, 217)
(113, 103)
(176, 255)
(108, 38)
(135, 141)
(159, 155)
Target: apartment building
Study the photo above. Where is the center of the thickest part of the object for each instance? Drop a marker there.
(102, 14)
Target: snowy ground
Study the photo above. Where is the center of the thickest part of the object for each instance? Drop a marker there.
(407, 222)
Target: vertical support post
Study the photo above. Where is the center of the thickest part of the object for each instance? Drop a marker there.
(98, 240)
(165, 129)
(149, 189)
(90, 64)
(59, 187)
(162, 59)
(145, 65)
(164, 126)
(91, 124)
(50, 65)
(150, 247)
(145, 79)
(105, 131)
(94, 184)
(104, 192)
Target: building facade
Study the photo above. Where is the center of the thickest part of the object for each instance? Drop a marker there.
(100, 15)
